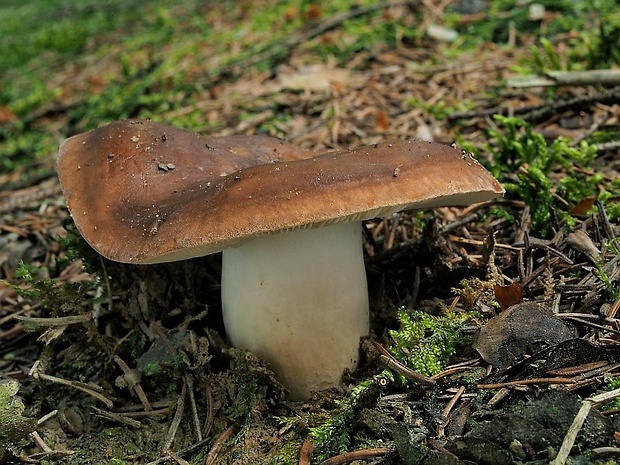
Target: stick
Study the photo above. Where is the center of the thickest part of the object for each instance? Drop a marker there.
(356, 455)
(305, 454)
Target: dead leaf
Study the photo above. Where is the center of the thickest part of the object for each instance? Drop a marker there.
(314, 12)
(383, 121)
(507, 296)
(582, 242)
(525, 328)
(6, 115)
(583, 207)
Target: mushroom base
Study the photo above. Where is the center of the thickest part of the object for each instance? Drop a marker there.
(299, 301)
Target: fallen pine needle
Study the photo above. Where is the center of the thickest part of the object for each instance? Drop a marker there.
(363, 454)
(217, 446)
(580, 418)
(525, 382)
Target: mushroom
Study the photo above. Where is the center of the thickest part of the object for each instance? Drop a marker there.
(288, 222)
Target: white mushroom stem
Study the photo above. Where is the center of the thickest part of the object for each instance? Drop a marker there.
(299, 300)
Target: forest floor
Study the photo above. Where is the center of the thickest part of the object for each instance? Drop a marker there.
(506, 310)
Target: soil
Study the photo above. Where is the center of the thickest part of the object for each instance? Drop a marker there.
(130, 364)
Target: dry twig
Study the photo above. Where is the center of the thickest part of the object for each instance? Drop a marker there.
(578, 421)
(90, 389)
(132, 380)
(526, 382)
(176, 420)
(217, 445)
(349, 457)
(305, 453)
(401, 369)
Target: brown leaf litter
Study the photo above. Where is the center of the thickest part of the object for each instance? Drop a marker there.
(188, 396)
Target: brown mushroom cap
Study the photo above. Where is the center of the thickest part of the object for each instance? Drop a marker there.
(142, 192)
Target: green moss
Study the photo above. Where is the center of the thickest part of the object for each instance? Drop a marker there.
(425, 342)
(13, 426)
(331, 436)
(115, 445)
(504, 15)
(61, 298)
(156, 54)
(439, 110)
(116, 461)
(549, 178)
(610, 385)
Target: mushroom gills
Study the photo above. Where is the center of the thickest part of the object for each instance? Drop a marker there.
(298, 299)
